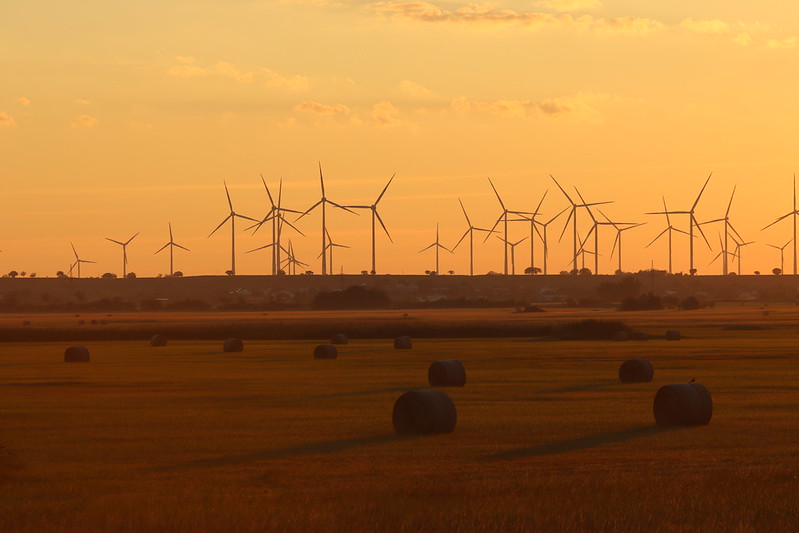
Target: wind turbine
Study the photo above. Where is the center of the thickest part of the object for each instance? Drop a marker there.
(533, 229)
(573, 218)
(78, 260)
(292, 261)
(794, 212)
(544, 236)
(470, 232)
(782, 253)
(727, 227)
(737, 252)
(376, 215)
(232, 217)
(619, 230)
(723, 252)
(691, 223)
(329, 250)
(512, 252)
(437, 246)
(172, 245)
(669, 229)
(275, 214)
(504, 219)
(323, 202)
(124, 253)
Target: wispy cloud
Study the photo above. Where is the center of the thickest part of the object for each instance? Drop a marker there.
(81, 101)
(6, 121)
(568, 5)
(742, 33)
(413, 90)
(488, 15)
(385, 114)
(322, 109)
(188, 67)
(24, 101)
(84, 121)
(580, 107)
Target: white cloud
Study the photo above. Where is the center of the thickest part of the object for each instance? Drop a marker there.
(413, 90)
(789, 42)
(580, 107)
(489, 16)
(84, 121)
(189, 68)
(714, 26)
(322, 109)
(296, 82)
(6, 121)
(568, 5)
(385, 114)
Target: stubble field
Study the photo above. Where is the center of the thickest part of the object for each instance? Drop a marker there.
(187, 438)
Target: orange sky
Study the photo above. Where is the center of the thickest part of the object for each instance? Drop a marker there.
(116, 119)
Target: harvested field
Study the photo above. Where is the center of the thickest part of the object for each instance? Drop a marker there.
(181, 439)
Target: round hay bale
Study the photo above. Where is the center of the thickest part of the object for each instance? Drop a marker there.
(339, 338)
(76, 354)
(636, 370)
(158, 340)
(683, 404)
(673, 335)
(233, 345)
(621, 335)
(325, 351)
(423, 412)
(403, 343)
(447, 373)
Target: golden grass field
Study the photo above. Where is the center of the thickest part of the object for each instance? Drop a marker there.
(187, 438)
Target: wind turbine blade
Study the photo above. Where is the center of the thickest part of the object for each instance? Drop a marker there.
(87, 261)
(112, 240)
(128, 241)
(181, 247)
(161, 248)
(666, 210)
(727, 213)
(334, 204)
(562, 190)
(700, 231)
(229, 201)
(519, 241)
(245, 217)
(780, 218)
(700, 193)
(494, 227)
(461, 239)
(259, 248)
(776, 247)
(74, 251)
(292, 226)
(735, 231)
(382, 225)
(679, 231)
(656, 238)
(308, 210)
(268, 193)
(495, 192)
(469, 222)
(566, 225)
(540, 202)
(556, 216)
(321, 179)
(220, 225)
(385, 189)
(358, 206)
(426, 248)
(170, 233)
(615, 242)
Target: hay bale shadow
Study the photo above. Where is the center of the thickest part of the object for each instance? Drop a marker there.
(579, 443)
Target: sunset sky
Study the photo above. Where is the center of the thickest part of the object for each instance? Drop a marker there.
(119, 117)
